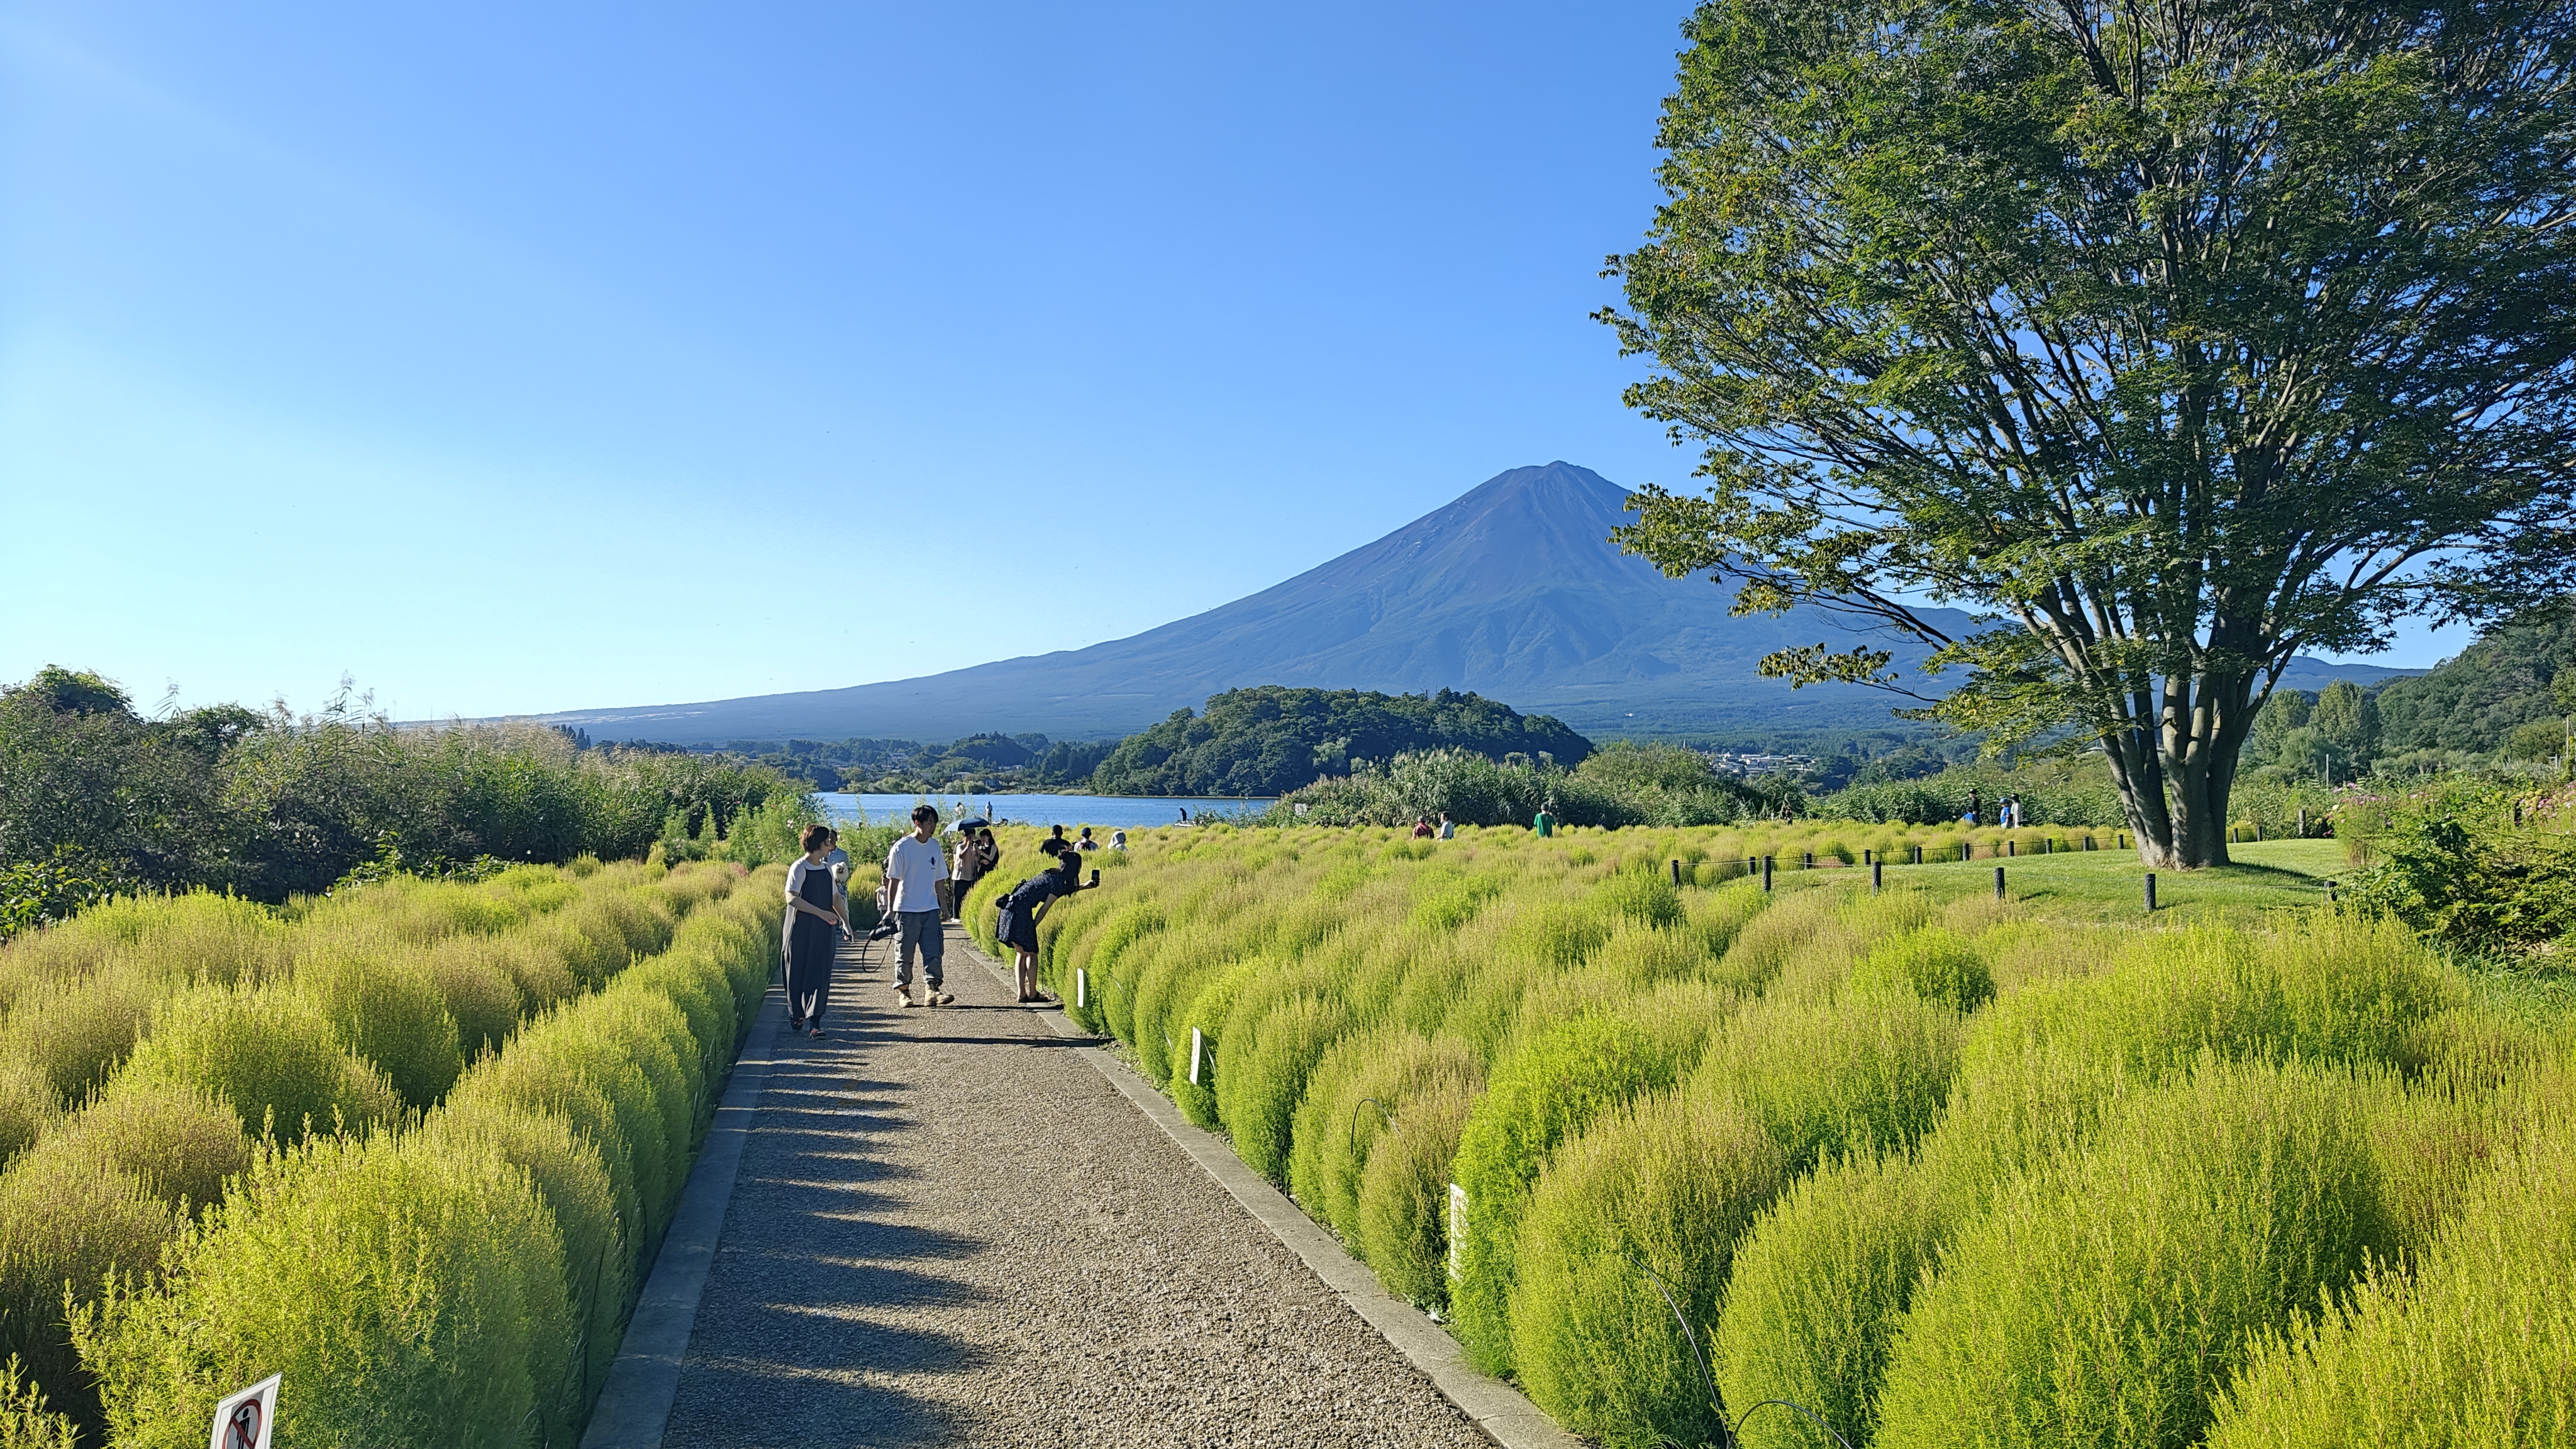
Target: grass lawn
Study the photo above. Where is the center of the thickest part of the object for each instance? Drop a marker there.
(2110, 885)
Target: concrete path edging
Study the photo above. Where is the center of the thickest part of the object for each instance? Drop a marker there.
(635, 1403)
(1496, 1407)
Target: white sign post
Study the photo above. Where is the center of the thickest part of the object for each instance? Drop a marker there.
(247, 1419)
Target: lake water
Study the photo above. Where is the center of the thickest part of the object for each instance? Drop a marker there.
(1101, 812)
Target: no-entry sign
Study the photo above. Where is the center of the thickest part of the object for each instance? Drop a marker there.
(245, 1420)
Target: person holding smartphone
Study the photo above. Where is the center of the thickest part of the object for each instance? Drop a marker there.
(1027, 905)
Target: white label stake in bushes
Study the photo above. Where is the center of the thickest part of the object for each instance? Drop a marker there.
(1457, 1228)
(1081, 989)
(247, 1419)
(1198, 1050)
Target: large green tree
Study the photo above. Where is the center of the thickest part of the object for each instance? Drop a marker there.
(2170, 339)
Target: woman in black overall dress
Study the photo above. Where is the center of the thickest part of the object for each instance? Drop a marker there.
(814, 934)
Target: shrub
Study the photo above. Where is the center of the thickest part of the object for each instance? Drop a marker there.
(1868, 1075)
(1208, 1012)
(550, 1063)
(1258, 1084)
(411, 1288)
(66, 1222)
(176, 1138)
(26, 1103)
(479, 992)
(529, 1084)
(1933, 963)
(2478, 1346)
(388, 1011)
(1535, 1098)
(1403, 1210)
(26, 1422)
(1818, 1287)
(572, 1181)
(2108, 1301)
(1349, 1106)
(1661, 1188)
(80, 1029)
(264, 1050)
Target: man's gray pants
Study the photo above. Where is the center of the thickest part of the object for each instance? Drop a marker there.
(918, 930)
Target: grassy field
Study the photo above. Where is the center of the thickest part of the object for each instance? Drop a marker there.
(1942, 1168)
(410, 1144)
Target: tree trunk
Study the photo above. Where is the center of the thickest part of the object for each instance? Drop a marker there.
(2174, 780)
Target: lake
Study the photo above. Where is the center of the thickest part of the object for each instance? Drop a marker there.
(1101, 812)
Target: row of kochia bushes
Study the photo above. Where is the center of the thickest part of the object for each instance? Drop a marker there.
(1942, 1173)
(409, 1146)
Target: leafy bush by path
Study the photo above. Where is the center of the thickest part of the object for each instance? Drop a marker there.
(1660, 1189)
(77, 1030)
(1818, 1288)
(1350, 1108)
(178, 1139)
(2108, 1301)
(1933, 963)
(2478, 1346)
(408, 1286)
(1403, 1209)
(26, 1419)
(66, 1221)
(26, 1103)
(387, 1010)
(1866, 1076)
(266, 1052)
(1536, 1098)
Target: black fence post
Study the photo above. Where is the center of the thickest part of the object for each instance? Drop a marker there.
(2012, 848)
(2151, 890)
(1807, 861)
(1999, 882)
(1677, 873)
(1877, 875)
(1766, 872)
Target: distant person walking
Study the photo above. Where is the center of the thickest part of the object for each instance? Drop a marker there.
(913, 871)
(1545, 821)
(1118, 840)
(1422, 827)
(1027, 905)
(1447, 830)
(1976, 805)
(975, 854)
(813, 934)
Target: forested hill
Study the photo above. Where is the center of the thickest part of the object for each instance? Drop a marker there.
(2509, 680)
(1271, 739)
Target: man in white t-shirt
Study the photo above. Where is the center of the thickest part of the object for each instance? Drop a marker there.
(913, 870)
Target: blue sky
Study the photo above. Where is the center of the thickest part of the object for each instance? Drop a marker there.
(515, 358)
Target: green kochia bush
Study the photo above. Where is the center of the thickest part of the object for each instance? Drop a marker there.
(410, 1286)
(2477, 1347)
(1658, 1191)
(1403, 1209)
(1868, 1075)
(27, 1420)
(1263, 1062)
(1349, 1108)
(66, 1221)
(1818, 1288)
(1933, 963)
(387, 1010)
(2108, 1299)
(1536, 1097)
(264, 1051)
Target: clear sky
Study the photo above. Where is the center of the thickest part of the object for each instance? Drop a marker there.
(512, 358)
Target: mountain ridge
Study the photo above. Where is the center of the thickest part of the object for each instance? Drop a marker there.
(1512, 591)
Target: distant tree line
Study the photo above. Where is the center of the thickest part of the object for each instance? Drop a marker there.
(267, 803)
(1271, 739)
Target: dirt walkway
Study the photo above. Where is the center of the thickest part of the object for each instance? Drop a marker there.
(948, 1229)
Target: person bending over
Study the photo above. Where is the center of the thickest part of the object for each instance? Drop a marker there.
(1027, 905)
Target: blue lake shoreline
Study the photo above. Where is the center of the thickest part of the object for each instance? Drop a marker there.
(1101, 812)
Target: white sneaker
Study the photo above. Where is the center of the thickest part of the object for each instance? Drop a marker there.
(903, 998)
(941, 998)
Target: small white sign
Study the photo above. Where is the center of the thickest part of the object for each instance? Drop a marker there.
(247, 1419)
(1198, 1048)
(1081, 989)
(1457, 1229)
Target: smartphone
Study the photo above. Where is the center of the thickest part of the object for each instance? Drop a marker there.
(1095, 875)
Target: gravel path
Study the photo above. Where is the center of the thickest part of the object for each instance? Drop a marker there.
(949, 1229)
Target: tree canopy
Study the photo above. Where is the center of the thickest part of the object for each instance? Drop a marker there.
(1272, 739)
(2171, 339)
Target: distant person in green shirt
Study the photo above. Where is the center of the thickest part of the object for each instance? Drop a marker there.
(1545, 824)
